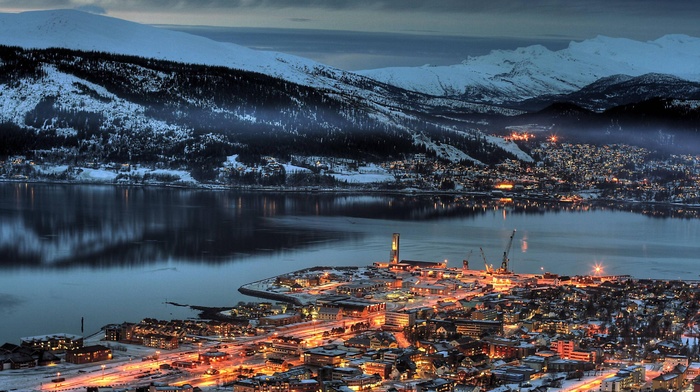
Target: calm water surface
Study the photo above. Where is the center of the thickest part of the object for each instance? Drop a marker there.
(114, 254)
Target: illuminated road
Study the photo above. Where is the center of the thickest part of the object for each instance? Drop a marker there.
(589, 384)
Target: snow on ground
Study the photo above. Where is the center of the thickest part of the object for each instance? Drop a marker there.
(49, 169)
(443, 150)
(178, 176)
(289, 169)
(96, 175)
(511, 147)
(111, 175)
(370, 173)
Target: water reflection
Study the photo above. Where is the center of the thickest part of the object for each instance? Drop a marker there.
(68, 226)
(63, 226)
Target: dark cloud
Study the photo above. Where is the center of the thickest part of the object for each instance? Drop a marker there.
(353, 50)
(650, 7)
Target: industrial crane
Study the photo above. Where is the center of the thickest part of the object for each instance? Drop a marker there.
(465, 262)
(489, 267)
(504, 263)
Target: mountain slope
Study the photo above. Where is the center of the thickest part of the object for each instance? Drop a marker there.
(620, 90)
(91, 107)
(76, 30)
(71, 29)
(524, 73)
(197, 86)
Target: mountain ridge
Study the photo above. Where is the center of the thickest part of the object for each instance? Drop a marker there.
(527, 72)
(197, 102)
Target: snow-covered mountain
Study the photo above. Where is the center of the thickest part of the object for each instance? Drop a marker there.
(83, 31)
(127, 96)
(529, 72)
(102, 89)
(72, 29)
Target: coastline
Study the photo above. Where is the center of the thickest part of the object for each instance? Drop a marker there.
(650, 208)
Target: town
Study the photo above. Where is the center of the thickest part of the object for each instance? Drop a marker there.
(398, 325)
(551, 169)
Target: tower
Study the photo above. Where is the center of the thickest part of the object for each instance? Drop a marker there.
(394, 254)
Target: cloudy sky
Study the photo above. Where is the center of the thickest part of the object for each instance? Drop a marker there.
(358, 34)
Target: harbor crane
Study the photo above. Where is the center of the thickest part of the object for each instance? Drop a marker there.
(504, 263)
(489, 267)
(465, 262)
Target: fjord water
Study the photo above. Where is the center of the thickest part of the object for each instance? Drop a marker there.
(112, 254)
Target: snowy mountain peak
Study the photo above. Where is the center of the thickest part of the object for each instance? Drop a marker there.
(77, 30)
(528, 72)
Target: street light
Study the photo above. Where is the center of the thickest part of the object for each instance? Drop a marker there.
(103, 372)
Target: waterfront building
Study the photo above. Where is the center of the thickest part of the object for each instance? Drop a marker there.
(54, 342)
(89, 354)
(16, 357)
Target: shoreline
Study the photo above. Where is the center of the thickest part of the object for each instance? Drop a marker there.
(679, 208)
